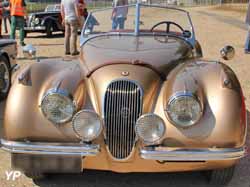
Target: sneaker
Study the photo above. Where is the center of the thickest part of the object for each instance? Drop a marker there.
(22, 44)
(75, 53)
(67, 53)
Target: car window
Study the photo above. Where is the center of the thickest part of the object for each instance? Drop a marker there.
(158, 17)
(152, 19)
(103, 21)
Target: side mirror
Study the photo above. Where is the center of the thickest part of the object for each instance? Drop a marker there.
(29, 51)
(227, 53)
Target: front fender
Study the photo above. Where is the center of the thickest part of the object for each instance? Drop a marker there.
(23, 118)
(223, 122)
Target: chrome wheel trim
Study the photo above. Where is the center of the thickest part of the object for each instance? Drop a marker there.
(6, 77)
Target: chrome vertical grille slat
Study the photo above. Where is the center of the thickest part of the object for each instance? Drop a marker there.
(122, 108)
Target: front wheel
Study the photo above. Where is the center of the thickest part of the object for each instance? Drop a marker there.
(5, 77)
(220, 176)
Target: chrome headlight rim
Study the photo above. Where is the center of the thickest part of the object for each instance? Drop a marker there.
(66, 95)
(158, 141)
(36, 21)
(100, 130)
(178, 95)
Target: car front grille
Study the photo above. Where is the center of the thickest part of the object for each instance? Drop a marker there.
(122, 108)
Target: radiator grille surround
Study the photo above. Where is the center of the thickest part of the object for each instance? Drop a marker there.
(122, 107)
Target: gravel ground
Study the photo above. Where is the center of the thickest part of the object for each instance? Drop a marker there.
(214, 29)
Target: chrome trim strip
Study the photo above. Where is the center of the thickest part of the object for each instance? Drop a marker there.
(181, 154)
(50, 148)
(36, 28)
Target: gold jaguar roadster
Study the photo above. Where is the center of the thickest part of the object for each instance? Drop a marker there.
(140, 99)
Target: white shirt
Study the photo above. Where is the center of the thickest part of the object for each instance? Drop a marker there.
(69, 9)
(121, 12)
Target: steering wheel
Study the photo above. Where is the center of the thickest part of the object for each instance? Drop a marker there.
(168, 24)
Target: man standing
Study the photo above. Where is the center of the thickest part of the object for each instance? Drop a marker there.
(71, 19)
(18, 15)
(1, 18)
(247, 45)
(119, 14)
(81, 8)
(6, 15)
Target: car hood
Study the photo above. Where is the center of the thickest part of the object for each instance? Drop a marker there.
(160, 52)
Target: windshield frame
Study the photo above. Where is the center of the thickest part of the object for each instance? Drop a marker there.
(191, 40)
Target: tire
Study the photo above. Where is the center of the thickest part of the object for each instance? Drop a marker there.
(35, 175)
(5, 77)
(49, 29)
(220, 177)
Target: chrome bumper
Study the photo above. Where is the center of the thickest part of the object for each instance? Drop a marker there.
(50, 148)
(37, 28)
(175, 154)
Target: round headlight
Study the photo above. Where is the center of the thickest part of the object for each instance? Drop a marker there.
(150, 128)
(36, 21)
(87, 125)
(57, 107)
(184, 110)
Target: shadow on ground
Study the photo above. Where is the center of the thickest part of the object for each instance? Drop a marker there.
(108, 179)
(39, 58)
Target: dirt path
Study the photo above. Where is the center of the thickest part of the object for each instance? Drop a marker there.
(214, 29)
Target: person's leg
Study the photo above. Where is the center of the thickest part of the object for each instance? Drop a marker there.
(20, 21)
(73, 38)
(247, 45)
(9, 18)
(13, 28)
(82, 22)
(121, 23)
(114, 24)
(1, 27)
(5, 24)
(67, 38)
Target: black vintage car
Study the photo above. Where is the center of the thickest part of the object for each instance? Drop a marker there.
(47, 22)
(8, 54)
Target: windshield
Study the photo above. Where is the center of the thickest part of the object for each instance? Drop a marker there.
(139, 19)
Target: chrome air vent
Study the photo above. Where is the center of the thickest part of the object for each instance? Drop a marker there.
(122, 108)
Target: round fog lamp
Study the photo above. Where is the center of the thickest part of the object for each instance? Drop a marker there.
(150, 128)
(87, 125)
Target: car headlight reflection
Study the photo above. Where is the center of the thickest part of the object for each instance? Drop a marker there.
(184, 109)
(36, 21)
(58, 107)
(150, 128)
(87, 125)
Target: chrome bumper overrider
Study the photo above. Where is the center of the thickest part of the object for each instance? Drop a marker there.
(175, 154)
(50, 148)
